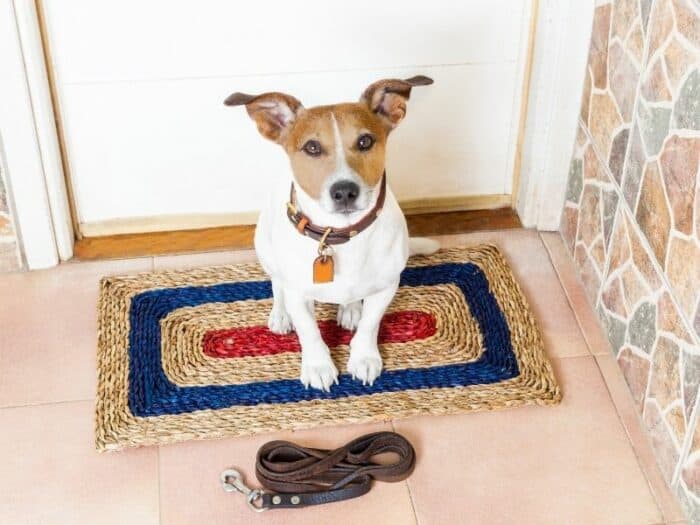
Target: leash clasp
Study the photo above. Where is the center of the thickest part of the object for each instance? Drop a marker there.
(232, 481)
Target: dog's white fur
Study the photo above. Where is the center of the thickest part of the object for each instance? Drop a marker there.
(367, 270)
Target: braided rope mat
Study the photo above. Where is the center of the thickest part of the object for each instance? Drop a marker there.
(187, 354)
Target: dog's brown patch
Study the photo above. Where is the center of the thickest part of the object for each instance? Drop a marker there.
(282, 118)
(317, 124)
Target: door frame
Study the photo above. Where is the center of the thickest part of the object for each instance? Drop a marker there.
(552, 84)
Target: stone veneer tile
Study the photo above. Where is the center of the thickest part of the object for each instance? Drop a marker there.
(653, 216)
(679, 167)
(635, 42)
(645, 8)
(655, 86)
(623, 77)
(686, 111)
(587, 269)
(687, 20)
(642, 327)
(604, 121)
(598, 52)
(569, 222)
(619, 245)
(683, 271)
(6, 229)
(677, 59)
(691, 381)
(624, 14)
(653, 122)
(615, 329)
(642, 259)
(575, 183)
(617, 154)
(690, 507)
(610, 200)
(635, 368)
(589, 218)
(592, 169)
(666, 453)
(613, 299)
(665, 384)
(634, 166)
(9, 257)
(660, 26)
(586, 96)
(633, 287)
(669, 319)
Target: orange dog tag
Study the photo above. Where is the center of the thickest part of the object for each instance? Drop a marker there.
(323, 269)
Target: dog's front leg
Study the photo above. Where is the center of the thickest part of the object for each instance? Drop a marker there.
(365, 363)
(317, 368)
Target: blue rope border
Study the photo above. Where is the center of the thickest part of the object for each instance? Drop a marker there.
(152, 394)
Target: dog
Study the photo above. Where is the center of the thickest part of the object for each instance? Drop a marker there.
(332, 230)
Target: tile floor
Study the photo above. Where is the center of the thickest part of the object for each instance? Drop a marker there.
(587, 461)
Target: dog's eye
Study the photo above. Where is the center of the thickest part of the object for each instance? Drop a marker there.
(365, 142)
(312, 148)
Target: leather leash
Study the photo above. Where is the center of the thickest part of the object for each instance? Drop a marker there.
(297, 476)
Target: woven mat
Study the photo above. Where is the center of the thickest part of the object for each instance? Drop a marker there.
(187, 354)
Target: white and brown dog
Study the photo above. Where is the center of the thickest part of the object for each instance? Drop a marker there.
(325, 238)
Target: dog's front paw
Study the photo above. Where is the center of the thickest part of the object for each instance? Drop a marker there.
(318, 372)
(279, 321)
(365, 367)
(349, 315)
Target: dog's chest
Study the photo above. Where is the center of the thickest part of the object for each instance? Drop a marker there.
(366, 264)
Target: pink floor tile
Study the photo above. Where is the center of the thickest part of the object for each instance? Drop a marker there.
(584, 312)
(48, 331)
(534, 271)
(191, 493)
(194, 260)
(51, 473)
(634, 427)
(569, 464)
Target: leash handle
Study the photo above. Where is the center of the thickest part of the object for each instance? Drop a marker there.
(294, 476)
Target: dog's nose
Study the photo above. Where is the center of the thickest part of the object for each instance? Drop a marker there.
(344, 192)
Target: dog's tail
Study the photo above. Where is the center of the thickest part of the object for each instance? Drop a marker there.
(422, 246)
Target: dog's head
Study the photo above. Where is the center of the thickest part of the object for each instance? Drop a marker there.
(337, 152)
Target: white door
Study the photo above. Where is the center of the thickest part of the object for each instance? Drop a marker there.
(151, 146)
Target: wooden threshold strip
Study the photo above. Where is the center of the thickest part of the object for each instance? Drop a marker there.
(241, 237)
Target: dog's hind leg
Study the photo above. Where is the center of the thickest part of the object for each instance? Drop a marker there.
(279, 321)
(349, 315)
(365, 363)
(317, 368)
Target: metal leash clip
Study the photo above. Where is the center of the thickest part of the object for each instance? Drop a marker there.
(232, 481)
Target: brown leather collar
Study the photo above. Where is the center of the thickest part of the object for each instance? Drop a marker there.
(336, 235)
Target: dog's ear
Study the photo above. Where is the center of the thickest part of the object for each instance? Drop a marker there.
(273, 113)
(387, 98)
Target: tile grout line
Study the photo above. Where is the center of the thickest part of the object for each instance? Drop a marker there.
(47, 403)
(408, 487)
(631, 442)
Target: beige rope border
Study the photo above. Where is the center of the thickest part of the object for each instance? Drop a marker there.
(457, 340)
(117, 428)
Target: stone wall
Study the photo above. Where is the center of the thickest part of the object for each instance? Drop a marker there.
(632, 215)
(10, 259)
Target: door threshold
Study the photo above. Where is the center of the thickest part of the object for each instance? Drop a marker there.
(240, 237)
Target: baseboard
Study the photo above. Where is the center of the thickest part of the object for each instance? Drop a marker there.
(198, 221)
